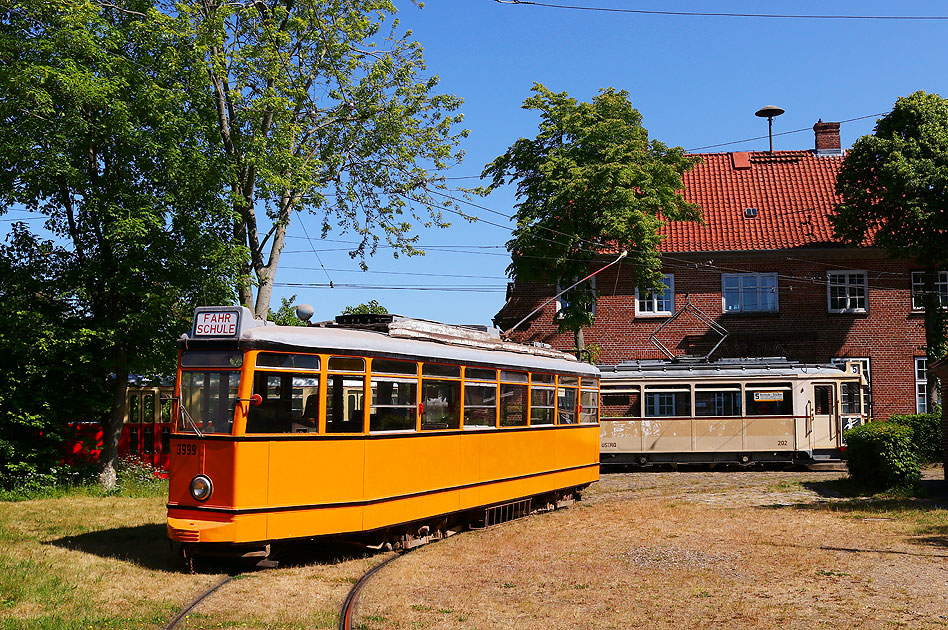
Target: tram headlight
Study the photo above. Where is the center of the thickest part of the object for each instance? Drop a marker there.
(201, 487)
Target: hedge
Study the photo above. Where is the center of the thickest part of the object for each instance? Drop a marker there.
(881, 455)
(926, 433)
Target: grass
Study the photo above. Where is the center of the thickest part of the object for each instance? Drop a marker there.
(645, 550)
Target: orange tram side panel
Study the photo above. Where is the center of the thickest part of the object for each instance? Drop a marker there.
(297, 488)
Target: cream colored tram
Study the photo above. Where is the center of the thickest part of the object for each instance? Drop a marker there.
(732, 410)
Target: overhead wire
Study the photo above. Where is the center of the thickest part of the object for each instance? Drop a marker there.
(729, 14)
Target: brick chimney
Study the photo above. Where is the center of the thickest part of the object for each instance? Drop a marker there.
(827, 138)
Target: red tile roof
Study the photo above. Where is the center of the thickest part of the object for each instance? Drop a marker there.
(793, 192)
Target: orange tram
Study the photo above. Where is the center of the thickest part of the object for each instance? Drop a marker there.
(386, 430)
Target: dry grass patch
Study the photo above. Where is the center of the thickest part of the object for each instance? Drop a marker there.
(666, 555)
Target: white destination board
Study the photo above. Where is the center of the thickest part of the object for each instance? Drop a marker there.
(219, 324)
(768, 396)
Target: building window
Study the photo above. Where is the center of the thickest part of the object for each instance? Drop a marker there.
(657, 303)
(918, 287)
(565, 300)
(749, 292)
(921, 384)
(846, 291)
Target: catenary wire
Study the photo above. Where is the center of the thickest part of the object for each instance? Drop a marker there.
(789, 16)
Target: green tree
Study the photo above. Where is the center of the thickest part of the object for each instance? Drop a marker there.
(372, 307)
(99, 137)
(318, 111)
(894, 186)
(590, 183)
(49, 367)
(286, 314)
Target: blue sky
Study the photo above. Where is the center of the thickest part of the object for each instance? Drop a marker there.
(696, 80)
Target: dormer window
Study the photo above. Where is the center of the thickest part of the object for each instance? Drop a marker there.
(750, 213)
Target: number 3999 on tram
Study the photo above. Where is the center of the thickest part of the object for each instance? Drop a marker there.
(391, 430)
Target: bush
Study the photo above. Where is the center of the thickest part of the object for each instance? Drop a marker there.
(881, 455)
(926, 434)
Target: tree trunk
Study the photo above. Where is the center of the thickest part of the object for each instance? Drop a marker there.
(112, 430)
(580, 343)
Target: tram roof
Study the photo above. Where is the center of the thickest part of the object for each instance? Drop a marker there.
(767, 367)
(379, 343)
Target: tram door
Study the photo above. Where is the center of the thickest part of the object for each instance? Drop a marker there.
(141, 426)
(824, 420)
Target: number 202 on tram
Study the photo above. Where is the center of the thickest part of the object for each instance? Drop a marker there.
(379, 434)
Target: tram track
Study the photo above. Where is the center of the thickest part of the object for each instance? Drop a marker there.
(348, 604)
(177, 619)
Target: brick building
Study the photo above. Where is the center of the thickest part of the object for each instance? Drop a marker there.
(766, 268)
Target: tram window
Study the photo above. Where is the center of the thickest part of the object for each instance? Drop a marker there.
(148, 440)
(290, 403)
(849, 397)
(345, 396)
(165, 440)
(133, 440)
(589, 406)
(542, 378)
(288, 361)
(389, 366)
(133, 408)
(209, 398)
(165, 409)
(441, 402)
(210, 358)
(566, 400)
(480, 374)
(513, 405)
(542, 404)
(346, 364)
(394, 404)
(667, 403)
(513, 377)
(590, 383)
(148, 408)
(717, 402)
(480, 405)
(822, 398)
(769, 399)
(439, 369)
(569, 381)
(621, 404)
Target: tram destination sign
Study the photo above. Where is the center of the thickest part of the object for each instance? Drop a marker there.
(216, 323)
(768, 396)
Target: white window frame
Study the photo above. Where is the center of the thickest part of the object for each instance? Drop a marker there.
(921, 384)
(941, 287)
(653, 299)
(866, 372)
(741, 277)
(562, 302)
(846, 273)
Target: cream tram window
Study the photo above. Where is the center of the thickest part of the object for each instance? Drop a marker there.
(717, 400)
(769, 399)
(622, 402)
(290, 403)
(662, 402)
(440, 397)
(208, 399)
(542, 400)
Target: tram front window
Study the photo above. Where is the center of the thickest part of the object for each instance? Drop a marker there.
(209, 398)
